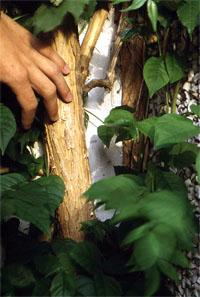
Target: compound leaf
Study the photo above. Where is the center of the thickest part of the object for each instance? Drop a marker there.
(168, 269)
(180, 259)
(173, 128)
(152, 281)
(19, 275)
(87, 255)
(62, 285)
(48, 17)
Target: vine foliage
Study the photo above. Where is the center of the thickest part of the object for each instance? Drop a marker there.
(132, 253)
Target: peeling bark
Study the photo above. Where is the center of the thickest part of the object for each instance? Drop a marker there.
(132, 58)
(65, 140)
(90, 40)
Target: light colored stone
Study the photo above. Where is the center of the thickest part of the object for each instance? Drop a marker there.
(188, 182)
(190, 75)
(186, 86)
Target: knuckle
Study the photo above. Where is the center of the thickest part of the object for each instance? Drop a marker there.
(54, 70)
(21, 76)
(31, 107)
(50, 92)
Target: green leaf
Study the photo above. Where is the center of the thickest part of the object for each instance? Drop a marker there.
(87, 255)
(175, 67)
(66, 263)
(198, 166)
(107, 286)
(84, 286)
(48, 17)
(152, 10)
(36, 201)
(7, 127)
(147, 127)
(135, 5)
(37, 216)
(179, 155)
(122, 118)
(94, 227)
(165, 17)
(119, 1)
(47, 264)
(147, 251)
(86, 119)
(19, 275)
(29, 136)
(117, 191)
(171, 182)
(137, 233)
(42, 287)
(106, 133)
(62, 285)
(10, 180)
(128, 34)
(152, 281)
(155, 74)
(189, 15)
(62, 246)
(88, 10)
(173, 128)
(195, 109)
(35, 166)
(168, 269)
(180, 259)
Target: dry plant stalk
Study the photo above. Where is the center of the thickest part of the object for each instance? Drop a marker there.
(108, 81)
(90, 40)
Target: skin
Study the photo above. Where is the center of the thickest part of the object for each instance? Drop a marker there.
(26, 64)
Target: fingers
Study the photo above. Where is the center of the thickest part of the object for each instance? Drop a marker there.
(45, 87)
(48, 52)
(53, 72)
(25, 97)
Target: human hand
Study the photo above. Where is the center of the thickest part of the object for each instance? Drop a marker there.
(26, 64)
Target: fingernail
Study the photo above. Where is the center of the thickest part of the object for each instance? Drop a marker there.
(55, 118)
(70, 96)
(66, 69)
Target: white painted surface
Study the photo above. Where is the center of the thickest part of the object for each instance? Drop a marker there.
(100, 103)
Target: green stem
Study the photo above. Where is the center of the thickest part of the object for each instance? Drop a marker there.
(94, 115)
(159, 46)
(82, 28)
(45, 155)
(167, 100)
(175, 96)
(21, 16)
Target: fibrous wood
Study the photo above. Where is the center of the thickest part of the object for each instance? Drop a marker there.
(90, 40)
(134, 95)
(66, 144)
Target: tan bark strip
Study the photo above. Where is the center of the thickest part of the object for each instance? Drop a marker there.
(133, 91)
(90, 40)
(110, 77)
(65, 140)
